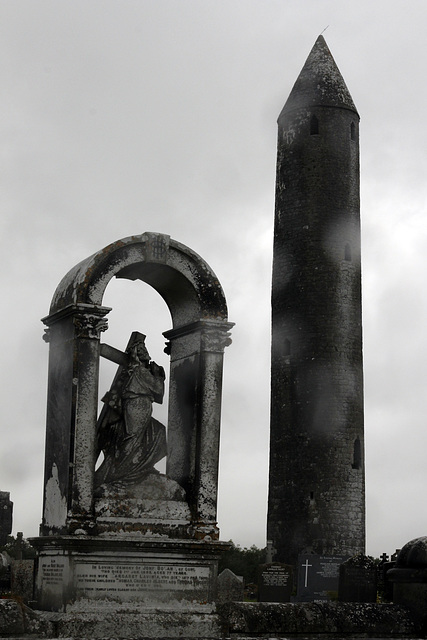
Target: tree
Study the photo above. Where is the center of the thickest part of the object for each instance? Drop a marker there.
(243, 562)
(18, 548)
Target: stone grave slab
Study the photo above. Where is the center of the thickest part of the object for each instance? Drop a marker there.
(318, 577)
(229, 587)
(275, 582)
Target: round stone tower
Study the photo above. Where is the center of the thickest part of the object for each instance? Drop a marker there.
(316, 491)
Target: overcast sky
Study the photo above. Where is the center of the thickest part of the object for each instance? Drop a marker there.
(131, 116)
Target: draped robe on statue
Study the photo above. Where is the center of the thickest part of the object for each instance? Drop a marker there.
(130, 438)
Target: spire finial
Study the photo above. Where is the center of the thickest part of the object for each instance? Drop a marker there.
(320, 82)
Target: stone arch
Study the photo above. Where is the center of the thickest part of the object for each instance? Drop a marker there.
(184, 280)
(200, 331)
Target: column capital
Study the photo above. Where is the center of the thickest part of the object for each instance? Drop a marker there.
(89, 320)
(214, 334)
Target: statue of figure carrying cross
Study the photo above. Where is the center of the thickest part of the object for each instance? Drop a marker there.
(131, 440)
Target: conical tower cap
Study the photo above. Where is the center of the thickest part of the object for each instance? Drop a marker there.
(320, 83)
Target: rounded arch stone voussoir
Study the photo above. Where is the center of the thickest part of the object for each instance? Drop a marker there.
(184, 280)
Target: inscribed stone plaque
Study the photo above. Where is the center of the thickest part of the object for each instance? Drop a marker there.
(142, 581)
(52, 579)
(275, 582)
(318, 577)
(53, 572)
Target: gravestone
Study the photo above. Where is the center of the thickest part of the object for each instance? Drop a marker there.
(358, 579)
(318, 577)
(5, 570)
(387, 585)
(125, 533)
(230, 587)
(275, 582)
(22, 580)
(6, 510)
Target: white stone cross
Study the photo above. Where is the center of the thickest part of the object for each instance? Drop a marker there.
(270, 552)
(306, 565)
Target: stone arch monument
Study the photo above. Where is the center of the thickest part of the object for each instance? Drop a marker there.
(179, 507)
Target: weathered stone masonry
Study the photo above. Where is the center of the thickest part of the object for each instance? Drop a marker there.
(316, 498)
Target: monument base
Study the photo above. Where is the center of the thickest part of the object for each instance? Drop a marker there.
(88, 573)
(128, 624)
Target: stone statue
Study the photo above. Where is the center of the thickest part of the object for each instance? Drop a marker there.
(131, 440)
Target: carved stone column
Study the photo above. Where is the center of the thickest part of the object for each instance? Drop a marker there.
(195, 414)
(73, 337)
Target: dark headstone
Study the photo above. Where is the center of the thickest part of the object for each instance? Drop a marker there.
(22, 579)
(386, 584)
(4, 573)
(230, 587)
(275, 582)
(358, 580)
(318, 577)
(6, 509)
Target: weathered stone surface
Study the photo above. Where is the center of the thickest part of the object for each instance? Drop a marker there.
(409, 578)
(234, 619)
(196, 345)
(413, 554)
(22, 579)
(16, 619)
(104, 517)
(82, 572)
(316, 484)
(229, 587)
(6, 511)
(128, 624)
(274, 619)
(11, 618)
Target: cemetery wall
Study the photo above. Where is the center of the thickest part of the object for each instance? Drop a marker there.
(232, 620)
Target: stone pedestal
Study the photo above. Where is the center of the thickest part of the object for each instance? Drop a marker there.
(87, 573)
(133, 539)
(409, 578)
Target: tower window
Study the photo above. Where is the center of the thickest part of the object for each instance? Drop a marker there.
(347, 252)
(357, 454)
(353, 131)
(314, 126)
